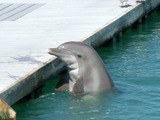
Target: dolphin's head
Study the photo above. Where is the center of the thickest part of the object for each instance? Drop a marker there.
(72, 53)
(65, 55)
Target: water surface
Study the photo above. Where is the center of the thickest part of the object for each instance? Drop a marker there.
(134, 65)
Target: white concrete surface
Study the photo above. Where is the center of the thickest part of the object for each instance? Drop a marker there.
(23, 42)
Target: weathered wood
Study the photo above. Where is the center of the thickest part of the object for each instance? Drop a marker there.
(6, 112)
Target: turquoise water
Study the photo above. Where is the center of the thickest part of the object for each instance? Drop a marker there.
(134, 65)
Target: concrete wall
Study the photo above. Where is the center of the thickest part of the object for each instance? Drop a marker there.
(37, 77)
(32, 81)
(117, 25)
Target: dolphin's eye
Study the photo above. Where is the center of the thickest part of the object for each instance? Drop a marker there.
(79, 56)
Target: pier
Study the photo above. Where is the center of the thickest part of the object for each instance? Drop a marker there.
(28, 29)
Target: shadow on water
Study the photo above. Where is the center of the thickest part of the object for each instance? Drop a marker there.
(134, 67)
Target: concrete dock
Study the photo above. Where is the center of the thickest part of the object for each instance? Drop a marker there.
(29, 27)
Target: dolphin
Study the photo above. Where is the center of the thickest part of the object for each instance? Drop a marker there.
(86, 69)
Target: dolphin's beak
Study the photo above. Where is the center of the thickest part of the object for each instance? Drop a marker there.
(57, 52)
(52, 51)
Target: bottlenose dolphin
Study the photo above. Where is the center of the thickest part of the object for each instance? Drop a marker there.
(86, 69)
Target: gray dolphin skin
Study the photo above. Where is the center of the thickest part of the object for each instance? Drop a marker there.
(86, 69)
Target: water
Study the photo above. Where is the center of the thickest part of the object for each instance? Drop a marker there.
(134, 66)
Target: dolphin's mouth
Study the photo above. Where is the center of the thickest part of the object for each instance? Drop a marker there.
(65, 55)
(53, 51)
(59, 52)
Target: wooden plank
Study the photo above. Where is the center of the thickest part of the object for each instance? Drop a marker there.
(4, 6)
(6, 112)
(23, 12)
(11, 12)
(9, 9)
